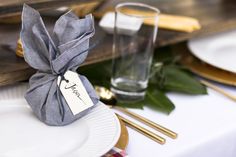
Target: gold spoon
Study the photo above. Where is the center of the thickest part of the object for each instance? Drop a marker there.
(108, 97)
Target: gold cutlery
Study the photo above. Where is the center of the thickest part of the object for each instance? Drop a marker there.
(143, 130)
(148, 122)
(107, 96)
(218, 89)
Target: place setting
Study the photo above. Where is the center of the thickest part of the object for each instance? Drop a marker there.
(156, 96)
(212, 58)
(76, 129)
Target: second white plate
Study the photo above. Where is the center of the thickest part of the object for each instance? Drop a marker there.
(217, 50)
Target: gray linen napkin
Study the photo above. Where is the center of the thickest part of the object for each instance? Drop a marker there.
(52, 56)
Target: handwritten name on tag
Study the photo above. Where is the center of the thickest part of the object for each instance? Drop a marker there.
(74, 92)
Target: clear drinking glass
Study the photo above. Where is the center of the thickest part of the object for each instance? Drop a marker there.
(135, 33)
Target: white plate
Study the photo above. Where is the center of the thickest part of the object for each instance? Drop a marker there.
(23, 135)
(217, 50)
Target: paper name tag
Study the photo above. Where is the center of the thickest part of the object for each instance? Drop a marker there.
(74, 92)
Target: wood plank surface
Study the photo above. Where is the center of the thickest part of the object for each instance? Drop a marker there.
(214, 16)
(13, 7)
(13, 68)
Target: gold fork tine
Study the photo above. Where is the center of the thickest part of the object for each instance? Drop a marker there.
(148, 122)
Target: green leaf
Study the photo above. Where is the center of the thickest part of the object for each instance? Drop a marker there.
(179, 81)
(164, 55)
(98, 74)
(138, 104)
(156, 99)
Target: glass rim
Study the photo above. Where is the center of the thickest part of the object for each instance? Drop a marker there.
(120, 5)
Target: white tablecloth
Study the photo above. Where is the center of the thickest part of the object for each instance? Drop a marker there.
(206, 127)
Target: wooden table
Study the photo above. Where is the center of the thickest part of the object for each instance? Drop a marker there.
(214, 16)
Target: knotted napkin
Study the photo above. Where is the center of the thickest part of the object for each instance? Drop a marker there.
(52, 56)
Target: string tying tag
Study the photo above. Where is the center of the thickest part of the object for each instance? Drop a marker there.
(66, 66)
(62, 77)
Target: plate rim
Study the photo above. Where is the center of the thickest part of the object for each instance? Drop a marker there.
(102, 151)
(115, 138)
(196, 53)
(202, 69)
